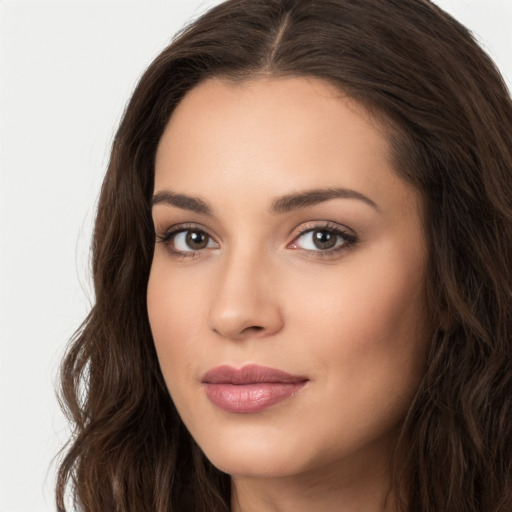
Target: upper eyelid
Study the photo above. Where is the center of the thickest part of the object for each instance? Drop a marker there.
(305, 227)
(185, 226)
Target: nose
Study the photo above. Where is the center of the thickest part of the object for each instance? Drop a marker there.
(245, 302)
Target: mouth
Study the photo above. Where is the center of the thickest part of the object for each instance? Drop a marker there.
(251, 388)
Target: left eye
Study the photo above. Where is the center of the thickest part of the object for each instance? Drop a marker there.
(192, 240)
(321, 240)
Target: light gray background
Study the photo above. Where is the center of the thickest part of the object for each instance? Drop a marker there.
(66, 71)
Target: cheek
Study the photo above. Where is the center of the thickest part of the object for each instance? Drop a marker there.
(367, 346)
(174, 310)
(369, 319)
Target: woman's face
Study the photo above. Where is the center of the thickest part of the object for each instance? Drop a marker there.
(287, 291)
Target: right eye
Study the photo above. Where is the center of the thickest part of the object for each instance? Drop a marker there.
(187, 241)
(192, 240)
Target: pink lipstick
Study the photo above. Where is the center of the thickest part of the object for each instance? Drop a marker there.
(249, 389)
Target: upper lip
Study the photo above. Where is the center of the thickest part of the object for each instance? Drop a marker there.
(249, 374)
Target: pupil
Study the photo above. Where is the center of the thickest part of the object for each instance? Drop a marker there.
(324, 239)
(197, 240)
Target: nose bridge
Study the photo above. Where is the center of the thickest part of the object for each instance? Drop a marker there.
(244, 302)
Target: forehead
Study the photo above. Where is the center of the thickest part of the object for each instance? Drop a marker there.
(273, 136)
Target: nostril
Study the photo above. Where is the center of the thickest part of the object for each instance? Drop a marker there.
(253, 331)
(253, 328)
(247, 331)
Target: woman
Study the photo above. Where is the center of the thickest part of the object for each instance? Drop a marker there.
(302, 272)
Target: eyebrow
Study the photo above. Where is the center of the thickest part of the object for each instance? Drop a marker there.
(316, 196)
(282, 204)
(182, 201)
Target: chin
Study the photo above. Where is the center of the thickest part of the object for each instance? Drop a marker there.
(256, 458)
(271, 466)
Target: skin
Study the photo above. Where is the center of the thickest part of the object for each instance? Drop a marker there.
(353, 320)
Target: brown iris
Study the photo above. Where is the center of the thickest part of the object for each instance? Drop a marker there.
(197, 240)
(324, 239)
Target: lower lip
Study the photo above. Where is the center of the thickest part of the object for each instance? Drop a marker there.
(249, 398)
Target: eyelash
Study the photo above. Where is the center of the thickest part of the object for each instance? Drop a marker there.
(349, 240)
(168, 237)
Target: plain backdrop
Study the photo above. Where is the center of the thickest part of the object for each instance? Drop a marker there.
(66, 71)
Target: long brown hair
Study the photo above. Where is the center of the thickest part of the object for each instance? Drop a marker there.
(448, 116)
